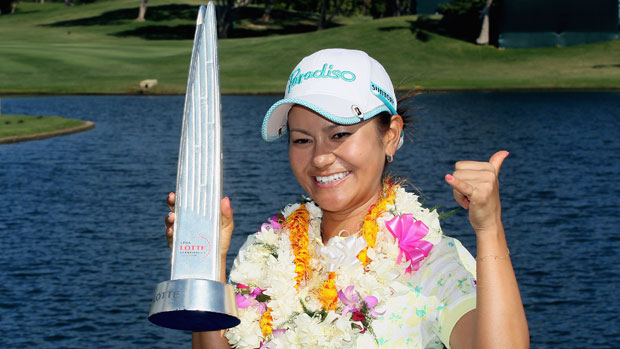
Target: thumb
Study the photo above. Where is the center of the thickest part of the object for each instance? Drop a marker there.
(498, 159)
(227, 213)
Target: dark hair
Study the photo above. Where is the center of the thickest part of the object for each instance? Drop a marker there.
(409, 119)
(404, 110)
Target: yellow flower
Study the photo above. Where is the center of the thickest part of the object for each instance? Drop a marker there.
(328, 295)
(266, 323)
(370, 226)
(297, 224)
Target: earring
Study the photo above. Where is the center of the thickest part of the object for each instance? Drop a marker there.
(389, 158)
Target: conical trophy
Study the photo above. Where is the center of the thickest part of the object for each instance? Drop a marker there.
(193, 299)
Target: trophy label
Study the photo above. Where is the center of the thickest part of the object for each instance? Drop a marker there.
(162, 296)
(195, 248)
(193, 255)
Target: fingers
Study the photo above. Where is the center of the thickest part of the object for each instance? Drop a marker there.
(170, 220)
(227, 225)
(475, 187)
(493, 165)
(227, 214)
(171, 200)
(471, 176)
(169, 236)
(227, 222)
(461, 190)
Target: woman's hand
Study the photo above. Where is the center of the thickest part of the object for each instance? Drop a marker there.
(226, 228)
(170, 218)
(499, 319)
(211, 339)
(476, 187)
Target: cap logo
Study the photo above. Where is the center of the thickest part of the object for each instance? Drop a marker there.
(327, 71)
(385, 97)
(357, 112)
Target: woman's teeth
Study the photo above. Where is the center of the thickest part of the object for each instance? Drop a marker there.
(334, 177)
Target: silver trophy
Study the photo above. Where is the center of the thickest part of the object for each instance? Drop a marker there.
(192, 300)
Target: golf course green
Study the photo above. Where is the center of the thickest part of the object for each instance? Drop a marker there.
(99, 48)
(18, 128)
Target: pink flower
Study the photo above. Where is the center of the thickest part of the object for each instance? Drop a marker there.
(273, 220)
(371, 303)
(349, 298)
(409, 233)
(256, 292)
(242, 301)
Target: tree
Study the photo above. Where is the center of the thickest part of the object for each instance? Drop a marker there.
(5, 7)
(322, 17)
(385, 8)
(332, 8)
(461, 18)
(483, 38)
(267, 14)
(225, 17)
(142, 13)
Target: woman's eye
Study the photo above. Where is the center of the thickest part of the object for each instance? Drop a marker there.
(300, 141)
(341, 135)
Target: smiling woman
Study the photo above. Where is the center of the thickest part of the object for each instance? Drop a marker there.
(332, 162)
(361, 263)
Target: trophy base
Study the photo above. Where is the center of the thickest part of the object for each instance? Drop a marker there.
(194, 305)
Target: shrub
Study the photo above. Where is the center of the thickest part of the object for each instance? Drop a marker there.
(462, 18)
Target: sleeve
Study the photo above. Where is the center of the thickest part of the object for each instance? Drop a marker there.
(451, 275)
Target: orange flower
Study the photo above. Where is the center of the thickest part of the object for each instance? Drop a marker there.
(370, 226)
(328, 295)
(297, 224)
(266, 323)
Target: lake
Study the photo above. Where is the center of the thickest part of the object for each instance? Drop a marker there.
(81, 216)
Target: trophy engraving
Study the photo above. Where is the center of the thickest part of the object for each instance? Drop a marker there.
(192, 299)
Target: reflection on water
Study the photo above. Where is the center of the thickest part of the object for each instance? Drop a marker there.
(82, 215)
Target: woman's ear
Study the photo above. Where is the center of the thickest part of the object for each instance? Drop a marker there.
(392, 136)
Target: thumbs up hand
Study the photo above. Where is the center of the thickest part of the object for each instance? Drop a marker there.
(475, 186)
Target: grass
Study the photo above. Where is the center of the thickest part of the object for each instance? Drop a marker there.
(25, 125)
(99, 48)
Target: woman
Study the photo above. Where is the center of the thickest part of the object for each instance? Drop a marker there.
(363, 264)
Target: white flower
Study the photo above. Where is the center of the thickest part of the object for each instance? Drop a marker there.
(341, 326)
(290, 209)
(267, 235)
(406, 202)
(248, 333)
(314, 210)
(247, 273)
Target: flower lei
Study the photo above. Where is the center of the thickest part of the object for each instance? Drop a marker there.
(297, 224)
(293, 291)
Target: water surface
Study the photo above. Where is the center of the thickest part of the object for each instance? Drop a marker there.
(82, 215)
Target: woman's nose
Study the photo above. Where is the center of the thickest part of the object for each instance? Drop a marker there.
(323, 157)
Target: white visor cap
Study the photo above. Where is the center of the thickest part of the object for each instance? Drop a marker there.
(344, 86)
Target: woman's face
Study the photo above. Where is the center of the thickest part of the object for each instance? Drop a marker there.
(339, 166)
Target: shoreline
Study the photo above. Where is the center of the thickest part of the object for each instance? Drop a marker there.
(87, 125)
(275, 93)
